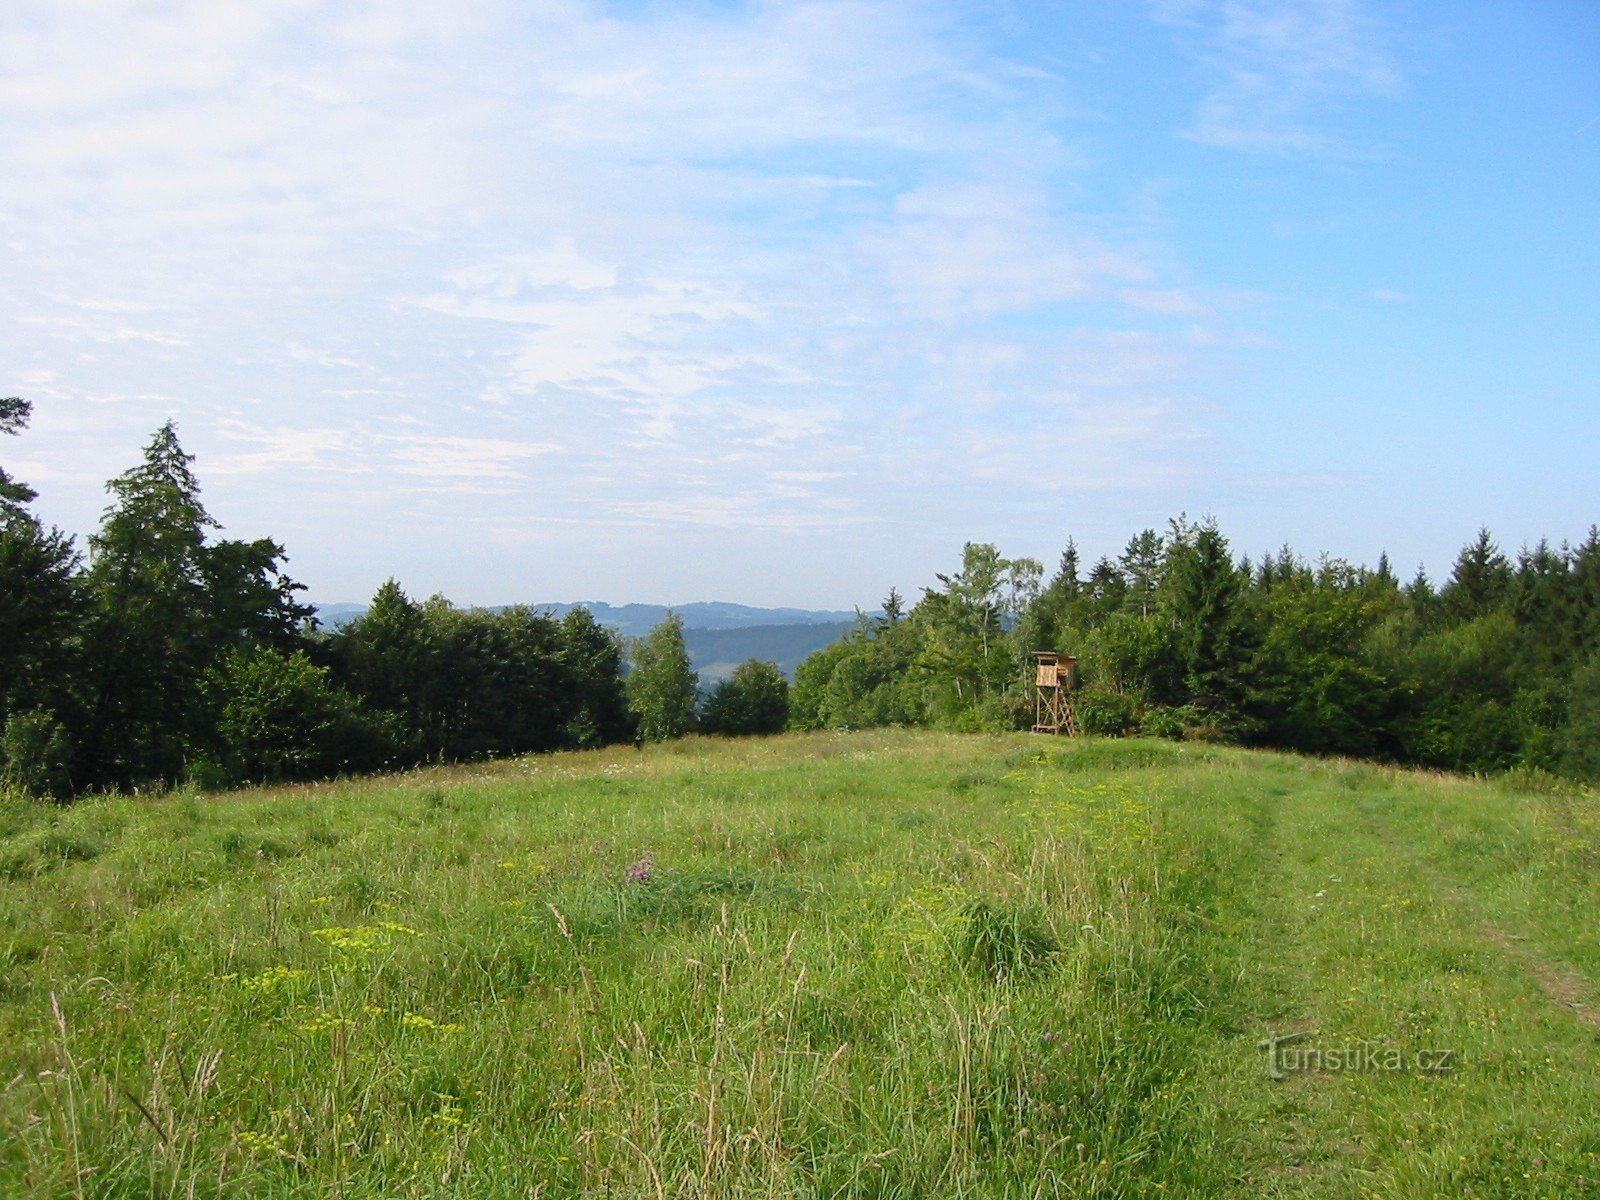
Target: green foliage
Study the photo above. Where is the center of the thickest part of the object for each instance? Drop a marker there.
(166, 605)
(1481, 581)
(592, 656)
(966, 662)
(40, 618)
(863, 680)
(1458, 686)
(1213, 640)
(662, 686)
(279, 717)
(1107, 713)
(1134, 655)
(475, 683)
(1315, 691)
(1177, 640)
(1580, 737)
(41, 615)
(176, 655)
(35, 754)
(1003, 941)
(753, 700)
(14, 494)
(1174, 721)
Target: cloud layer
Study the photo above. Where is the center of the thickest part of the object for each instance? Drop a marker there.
(532, 274)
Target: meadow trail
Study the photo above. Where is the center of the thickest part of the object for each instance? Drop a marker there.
(1563, 986)
(894, 964)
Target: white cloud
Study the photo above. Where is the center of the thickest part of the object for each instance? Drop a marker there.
(1280, 70)
(744, 268)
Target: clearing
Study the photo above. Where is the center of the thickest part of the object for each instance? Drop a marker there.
(891, 964)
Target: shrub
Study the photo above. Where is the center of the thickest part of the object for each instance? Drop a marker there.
(754, 699)
(1108, 713)
(35, 752)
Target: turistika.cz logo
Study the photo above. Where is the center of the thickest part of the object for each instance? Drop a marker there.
(1291, 1053)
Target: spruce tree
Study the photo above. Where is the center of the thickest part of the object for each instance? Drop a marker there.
(148, 630)
(1204, 600)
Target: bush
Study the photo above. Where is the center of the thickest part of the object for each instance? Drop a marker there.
(278, 717)
(1168, 721)
(1108, 713)
(35, 755)
(755, 699)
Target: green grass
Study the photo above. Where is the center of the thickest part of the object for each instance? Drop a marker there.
(879, 965)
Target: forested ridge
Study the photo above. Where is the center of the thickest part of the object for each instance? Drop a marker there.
(1495, 669)
(162, 653)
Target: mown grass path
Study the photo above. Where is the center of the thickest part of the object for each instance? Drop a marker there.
(891, 965)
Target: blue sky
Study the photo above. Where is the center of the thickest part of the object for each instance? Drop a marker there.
(782, 302)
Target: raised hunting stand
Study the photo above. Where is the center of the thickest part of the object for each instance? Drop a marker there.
(1054, 679)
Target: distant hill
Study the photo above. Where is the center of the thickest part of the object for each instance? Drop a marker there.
(636, 620)
(719, 635)
(714, 653)
(331, 616)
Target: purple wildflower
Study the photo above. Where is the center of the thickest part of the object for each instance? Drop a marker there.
(639, 872)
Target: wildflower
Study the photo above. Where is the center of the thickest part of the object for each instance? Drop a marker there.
(640, 872)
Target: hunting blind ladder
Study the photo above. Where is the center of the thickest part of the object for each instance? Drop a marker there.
(1054, 679)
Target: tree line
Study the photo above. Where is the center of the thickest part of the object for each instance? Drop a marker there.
(1497, 668)
(169, 655)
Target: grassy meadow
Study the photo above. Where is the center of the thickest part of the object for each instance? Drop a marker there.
(892, 964)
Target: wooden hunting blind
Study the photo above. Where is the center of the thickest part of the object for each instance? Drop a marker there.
(1055, 678)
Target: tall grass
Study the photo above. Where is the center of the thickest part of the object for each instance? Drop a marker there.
(896, 964)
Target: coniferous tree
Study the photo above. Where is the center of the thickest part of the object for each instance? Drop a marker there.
(1046, 624)
(894, 607)
(1141, 567)
(1212, 638)
(41, 609)
(1481, 581)
(165, 606)
(1105, 592)
(149, 629)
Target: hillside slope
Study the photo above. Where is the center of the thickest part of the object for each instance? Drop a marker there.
(888, 964)
(714, 653)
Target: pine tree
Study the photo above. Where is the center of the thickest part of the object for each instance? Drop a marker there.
(894, 607)
(166, 605)
(1141, 567)
(1481, 581)
(388, 657)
